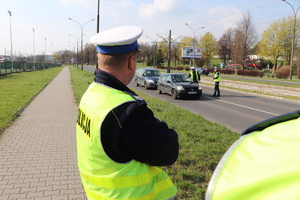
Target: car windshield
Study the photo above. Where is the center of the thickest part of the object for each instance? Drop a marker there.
(180, 78)
(152, 73)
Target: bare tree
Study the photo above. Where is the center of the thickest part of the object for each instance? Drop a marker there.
(226, 44)
(249, 34)
(90, 54)
(237, 48)
(245, 39)
(146, 53)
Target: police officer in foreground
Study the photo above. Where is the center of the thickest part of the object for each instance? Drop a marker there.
(194, 75)
(217, 82)
(264, 164)
(120, 143)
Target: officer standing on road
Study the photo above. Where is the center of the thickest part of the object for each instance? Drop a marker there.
(217, 82)
(262, 164)
(120, 143)
(194, 75)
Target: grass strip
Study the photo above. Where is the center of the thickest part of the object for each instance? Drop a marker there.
(263, 81)
(255, 92)
(18, 89)
(202, 142)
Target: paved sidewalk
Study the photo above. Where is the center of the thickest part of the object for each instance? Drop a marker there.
(38, 151)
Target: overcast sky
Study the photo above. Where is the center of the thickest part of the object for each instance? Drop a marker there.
(49, 18)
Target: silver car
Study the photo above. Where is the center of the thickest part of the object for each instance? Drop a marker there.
(147, 77)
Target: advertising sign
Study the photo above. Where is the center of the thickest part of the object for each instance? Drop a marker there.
(188, 52)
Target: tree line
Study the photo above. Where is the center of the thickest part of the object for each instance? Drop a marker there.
(233, 47)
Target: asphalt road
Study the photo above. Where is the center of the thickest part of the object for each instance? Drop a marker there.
(234, 109)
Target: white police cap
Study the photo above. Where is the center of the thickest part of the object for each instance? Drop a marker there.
(192, 67)
(121, 39)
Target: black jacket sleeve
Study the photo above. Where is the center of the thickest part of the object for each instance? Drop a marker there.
(131, 131)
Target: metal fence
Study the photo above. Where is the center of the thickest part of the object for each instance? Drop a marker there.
(14, 67)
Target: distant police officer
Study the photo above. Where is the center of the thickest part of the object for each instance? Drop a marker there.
(194, 75)
(262, 164)
(217, 82)
(120, 143)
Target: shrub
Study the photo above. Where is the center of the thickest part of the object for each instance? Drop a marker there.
(283, 72)
(250, 73)
(180, 68)
(226, 71)
(187, 69)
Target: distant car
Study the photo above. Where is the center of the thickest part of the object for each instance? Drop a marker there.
(147, 77)
(202, 70)
(178, 85)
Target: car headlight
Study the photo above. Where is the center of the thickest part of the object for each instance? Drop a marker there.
(180, 87)
(199, 87)
(151, 81)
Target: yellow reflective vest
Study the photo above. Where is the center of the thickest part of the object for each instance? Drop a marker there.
(197, 75)
(217, 76)
(102, 178)
(264, 164)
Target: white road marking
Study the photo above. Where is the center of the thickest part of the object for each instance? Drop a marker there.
(250, 108)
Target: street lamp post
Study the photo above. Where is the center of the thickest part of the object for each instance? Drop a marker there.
(11, 45)
(34, 60)
(194, 38)
(76, 47)
(45, 53)
(81, 29)
(293, 36)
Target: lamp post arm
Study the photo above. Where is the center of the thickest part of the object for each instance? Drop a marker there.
(87, 22)
(290, 6)
(297, 10)
(76, 22)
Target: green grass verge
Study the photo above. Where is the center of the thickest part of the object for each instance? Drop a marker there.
(202, 143)
(18, 89)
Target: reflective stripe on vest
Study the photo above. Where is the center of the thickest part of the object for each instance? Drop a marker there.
(192, 75)
(101, 177)
(217, 74)
(261, 165)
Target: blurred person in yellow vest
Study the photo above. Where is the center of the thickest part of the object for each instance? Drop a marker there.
(120, 143)
(194, 75)
(262, 165)
(216, 79)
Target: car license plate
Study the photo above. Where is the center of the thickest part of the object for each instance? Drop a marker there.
(192, 92)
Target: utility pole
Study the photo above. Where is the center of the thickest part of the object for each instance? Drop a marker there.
(169, 53)
(98, 16)
(169, 41)
(98, 21)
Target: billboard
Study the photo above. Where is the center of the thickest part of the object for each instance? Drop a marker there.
(188, 52)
